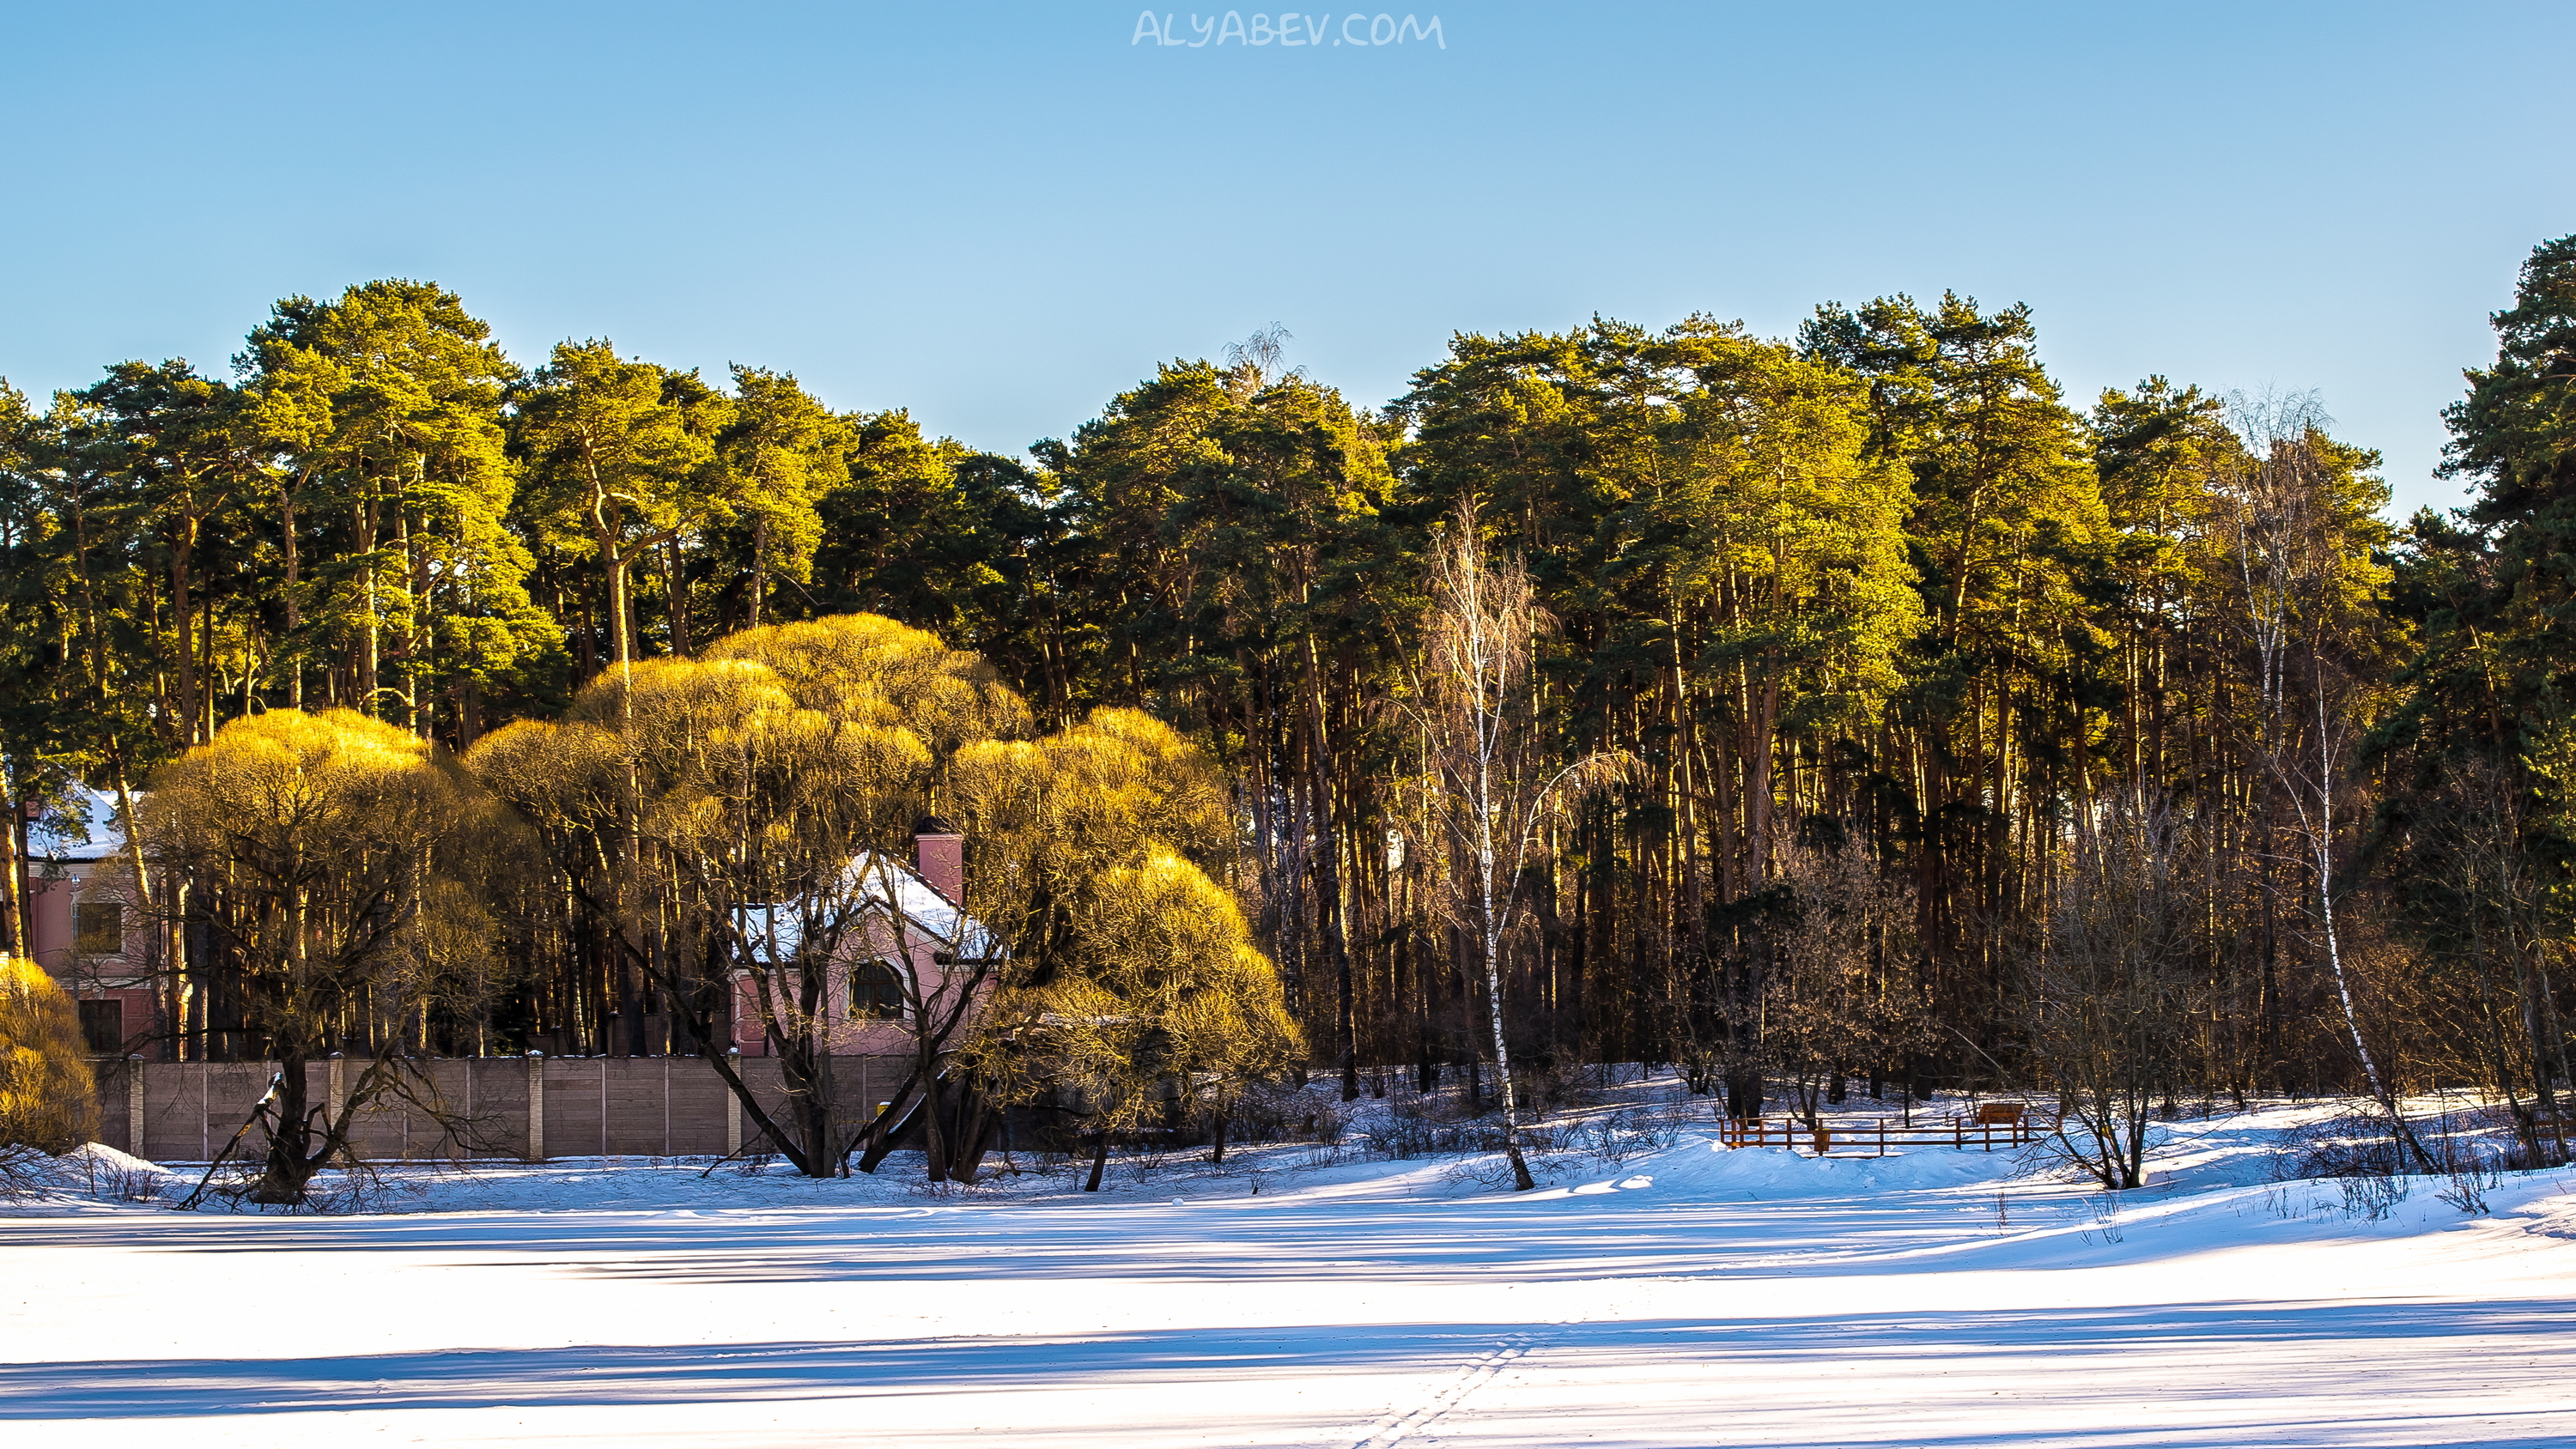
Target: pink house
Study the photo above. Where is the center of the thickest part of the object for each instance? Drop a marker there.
(915, 950)
(86, 929)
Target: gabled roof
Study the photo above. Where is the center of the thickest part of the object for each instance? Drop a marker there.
(916, 904)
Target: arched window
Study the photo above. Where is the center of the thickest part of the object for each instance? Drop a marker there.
(876, 992)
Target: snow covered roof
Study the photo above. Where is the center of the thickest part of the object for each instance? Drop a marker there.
(82, 827)
(918, 908)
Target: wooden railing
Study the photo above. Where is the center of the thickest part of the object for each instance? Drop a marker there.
(1989, 1127)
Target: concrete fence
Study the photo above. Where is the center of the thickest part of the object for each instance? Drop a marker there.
(528, 1108)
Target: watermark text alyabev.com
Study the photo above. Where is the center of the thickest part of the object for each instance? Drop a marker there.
(1292, 30)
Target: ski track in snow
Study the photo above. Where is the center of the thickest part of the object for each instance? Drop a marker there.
(1472, 1377)
(1693, 1297)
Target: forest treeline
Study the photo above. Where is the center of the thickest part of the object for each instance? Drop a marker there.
(1918, 724)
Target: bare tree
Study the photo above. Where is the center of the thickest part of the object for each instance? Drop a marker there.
(869, 953)
(2112, 992)
(1843, 993)
(1253, 363)
(1493, 794)
(2499, 927)
(2304, 576)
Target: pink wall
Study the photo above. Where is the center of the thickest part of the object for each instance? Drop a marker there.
(871, 1036)
(111, 978)
(942, 860)
(50, 903)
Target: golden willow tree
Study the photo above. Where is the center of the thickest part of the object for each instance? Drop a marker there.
(48, 1101)
(740, 818)
(717, 817)
(1130, 966)
(337, 863)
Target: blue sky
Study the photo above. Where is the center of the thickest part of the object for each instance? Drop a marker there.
(999, 215)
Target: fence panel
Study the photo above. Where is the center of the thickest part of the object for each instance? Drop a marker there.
(638, 1097)
(576, 1107)
(700, 1108)
(500, 1106)
(590, 1107)
(116, 1104)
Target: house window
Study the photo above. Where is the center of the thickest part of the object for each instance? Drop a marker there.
(98, 928)
(103, 1027)
(876, 991)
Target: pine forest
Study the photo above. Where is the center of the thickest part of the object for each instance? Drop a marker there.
(1845, 714)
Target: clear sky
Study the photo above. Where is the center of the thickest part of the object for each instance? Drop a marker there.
(999, 215)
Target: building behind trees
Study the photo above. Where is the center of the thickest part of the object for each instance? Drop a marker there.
(1891, 638)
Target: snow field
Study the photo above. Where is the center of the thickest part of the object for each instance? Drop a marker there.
(1695, 1296)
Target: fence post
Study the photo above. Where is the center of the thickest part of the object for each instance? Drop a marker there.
(536, 1107)
(733, 1105)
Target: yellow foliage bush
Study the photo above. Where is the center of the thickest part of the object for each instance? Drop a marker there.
(48, 1100)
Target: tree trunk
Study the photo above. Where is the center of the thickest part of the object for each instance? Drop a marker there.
(977, 1117)
(291, 1164)
(676, 585)
(1743, 1094)
(182, 552)
(14, 937)
(934, 1133)
(882, 1132)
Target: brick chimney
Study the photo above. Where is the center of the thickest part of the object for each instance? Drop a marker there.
(940, 854)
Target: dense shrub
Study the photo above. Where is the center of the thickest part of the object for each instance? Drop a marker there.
(48, 1100)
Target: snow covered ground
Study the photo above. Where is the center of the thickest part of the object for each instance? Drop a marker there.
(1692, 1296)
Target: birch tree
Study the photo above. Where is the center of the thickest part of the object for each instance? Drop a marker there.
(2298, 524)
(1492, 790)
